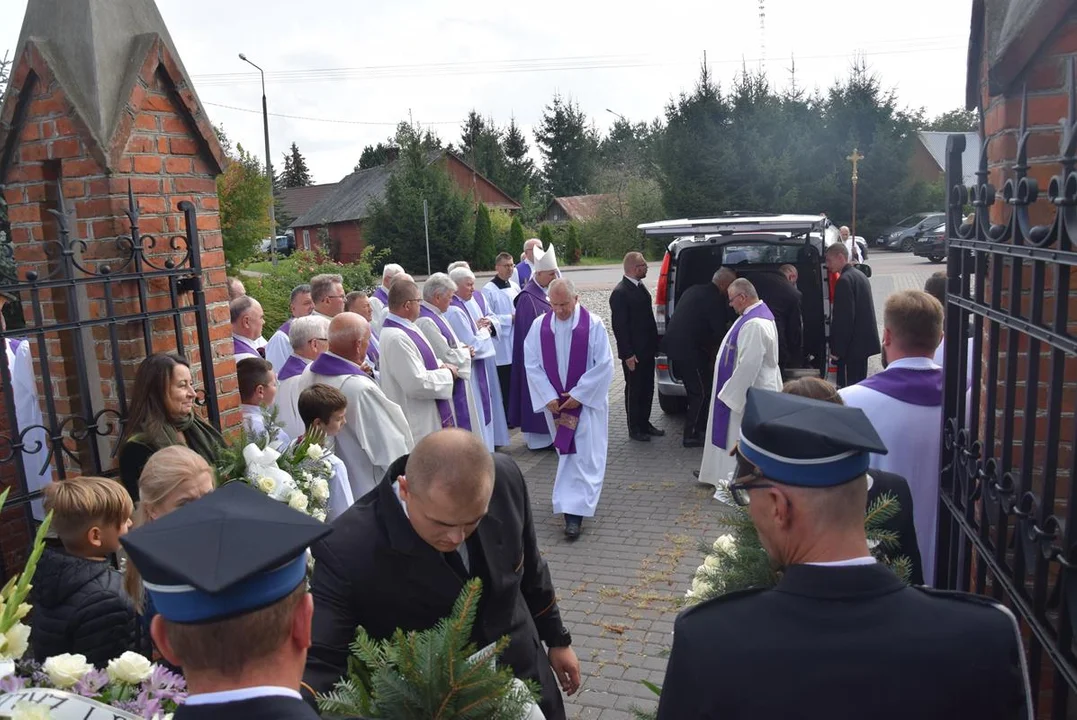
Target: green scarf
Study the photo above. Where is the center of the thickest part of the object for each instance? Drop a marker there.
(199, 435)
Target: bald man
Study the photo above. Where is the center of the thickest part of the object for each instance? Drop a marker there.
(375, 432)
(632, 317)
(398, 558)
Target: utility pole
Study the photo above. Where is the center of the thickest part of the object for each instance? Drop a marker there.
(269, 165)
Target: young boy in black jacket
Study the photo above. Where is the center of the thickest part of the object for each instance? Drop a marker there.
(79, 602)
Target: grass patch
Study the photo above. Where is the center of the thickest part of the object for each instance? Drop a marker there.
(266, 266)
(600, 261)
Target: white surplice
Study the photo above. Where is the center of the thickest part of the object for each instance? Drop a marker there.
(35, 452)
(409, 384)
(913, 435)
(756, 366)
(499, 305)
(287, 402)
(375, 433)
(578, 484)
(483, 362)
(341, 496)
(456, 354)
(378, 313)
(254, 420)
(278, 350)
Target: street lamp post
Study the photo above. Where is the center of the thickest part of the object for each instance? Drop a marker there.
(617, 114)
(269, 166)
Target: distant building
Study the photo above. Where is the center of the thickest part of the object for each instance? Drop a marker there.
(297, 201)
(342, 207)
(576, 208)
(929, 156)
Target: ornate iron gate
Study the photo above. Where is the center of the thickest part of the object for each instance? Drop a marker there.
(104, 315)
(1008, 503)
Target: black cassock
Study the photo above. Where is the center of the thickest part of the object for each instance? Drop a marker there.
(263, 708)
(844, 643)
(375, 571)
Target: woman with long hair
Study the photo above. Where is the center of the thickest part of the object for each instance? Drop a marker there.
(161, 415)
(171, 478)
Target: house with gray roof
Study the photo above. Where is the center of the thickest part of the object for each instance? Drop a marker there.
(929, 156)
(342, 210)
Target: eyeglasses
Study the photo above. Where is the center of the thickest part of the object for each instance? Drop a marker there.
(739, 488)
(734, 297)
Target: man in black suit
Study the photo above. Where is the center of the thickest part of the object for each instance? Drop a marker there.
(228, 577)
(693, 334)
(839, 636)
(854, 330)
(637, 343)
(783, 299)
(399, 557)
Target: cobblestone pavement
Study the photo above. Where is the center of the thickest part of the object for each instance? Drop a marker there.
(622, 583)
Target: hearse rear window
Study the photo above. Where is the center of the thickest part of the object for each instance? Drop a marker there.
(760, 254)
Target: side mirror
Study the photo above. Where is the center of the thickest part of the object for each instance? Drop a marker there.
(864, 268)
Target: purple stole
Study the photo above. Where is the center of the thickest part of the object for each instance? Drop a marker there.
(333, 366)
(242, 347)
(916, 387)
(484, 383)
(566, 420)
(726, 363)
(292, 367)
(431, 363)
(372, 352)
(459, 388)
(382, 294)
(286, 327)
(524, 272)
(13, 344)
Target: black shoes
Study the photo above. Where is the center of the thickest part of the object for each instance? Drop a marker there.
(573, 526)
(640, 436)
(695, 474)
(655, 432)
(693, 442)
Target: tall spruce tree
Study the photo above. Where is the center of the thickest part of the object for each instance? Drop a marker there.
(296, 173)
(480, 145)
(519, 167)
(484, 250)
(568, 148)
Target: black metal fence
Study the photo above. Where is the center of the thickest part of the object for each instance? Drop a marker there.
(1008, 516)
(99, 307)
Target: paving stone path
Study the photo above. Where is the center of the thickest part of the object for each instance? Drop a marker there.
(622, 583)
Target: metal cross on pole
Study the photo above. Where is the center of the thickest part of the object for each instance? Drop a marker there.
(854, 159)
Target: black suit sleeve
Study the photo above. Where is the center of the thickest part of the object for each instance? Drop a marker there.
(794, 332)
(335, 621)
(680, 699)
(536, 585)
(842, 317)
(620, 319)
(133, 457)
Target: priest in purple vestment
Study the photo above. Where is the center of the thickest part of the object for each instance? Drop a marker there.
(279, 347)
(379, 300)
(523, 272)
(248, 319)
(531, 304)
(904, 403)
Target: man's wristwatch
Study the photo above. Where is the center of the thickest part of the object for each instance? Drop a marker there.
(563, 639)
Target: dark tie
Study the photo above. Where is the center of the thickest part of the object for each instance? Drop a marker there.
(457, 564)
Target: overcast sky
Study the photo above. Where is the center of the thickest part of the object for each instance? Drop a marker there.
(374, 63)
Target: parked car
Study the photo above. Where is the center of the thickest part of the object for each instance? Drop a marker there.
(285, 245)
(903, 235)
(697, 248)
(932, 244)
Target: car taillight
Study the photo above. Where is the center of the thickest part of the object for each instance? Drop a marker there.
(661, 296)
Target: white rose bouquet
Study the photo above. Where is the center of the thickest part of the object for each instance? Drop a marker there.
(299, 475)
(130, 683)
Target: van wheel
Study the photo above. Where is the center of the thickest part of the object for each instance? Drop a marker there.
(672, 404)
(936, 258)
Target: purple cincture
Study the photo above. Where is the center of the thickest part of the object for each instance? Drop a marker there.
(531, 303)
(565, 437)
(459, 389)
(431, 363)
(726, 363)
(480, 364)
(916, 387)
(293, 366)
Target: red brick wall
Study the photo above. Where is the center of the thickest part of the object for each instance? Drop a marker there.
(162, 152)
(347, 238)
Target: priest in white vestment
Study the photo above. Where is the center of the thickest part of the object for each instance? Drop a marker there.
(20, 363)
(438, 290)
(500, 294)
(376, 431)
(411, 374)
(279, 347)
(309, 338)
(468, 316)
(569, 370)
(248, 319)
(379, 300)
(748, 357)
(904, 403)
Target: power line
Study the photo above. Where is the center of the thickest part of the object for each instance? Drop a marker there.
(328, 120)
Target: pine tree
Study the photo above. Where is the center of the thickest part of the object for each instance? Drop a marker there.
(568, 148)
(430, 675)
(572, 246)
(519, 167)
(481, 147)
(482, 255)
(376, 155)
(296, 173)
(516, 239)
